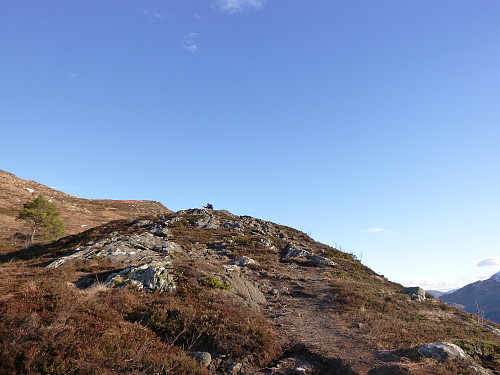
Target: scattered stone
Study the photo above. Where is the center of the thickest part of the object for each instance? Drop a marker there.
(234, 368)
(162, 232)
(204, 358)
(236, 225)
(207, 223)
(279, 290)
(416, 293)
(153, 276)
(442, 351)
(266, 242)
(243, 261)
(299, 371)
(143, 223)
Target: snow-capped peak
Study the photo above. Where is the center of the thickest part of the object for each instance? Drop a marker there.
(496, 277)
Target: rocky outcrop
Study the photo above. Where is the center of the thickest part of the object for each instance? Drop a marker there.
(293, 253)
(153, 276)
(207, 222)
(416, 293)
(442, 351)
(247, 290)
(123, 249)
(445, 351)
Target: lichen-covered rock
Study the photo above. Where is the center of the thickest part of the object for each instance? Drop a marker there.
(321, 261)
(246, 289)
(416, 293)
(442, 351)
(291, 251)
(236, 225)
(122, 249)
(207, 222)
(258, 226)
(152, 276)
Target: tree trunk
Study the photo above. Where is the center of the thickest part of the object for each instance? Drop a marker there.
(33, 230)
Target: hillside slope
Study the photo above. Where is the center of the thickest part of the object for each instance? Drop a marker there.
(483, 295)
(202, 291)
(78, 214)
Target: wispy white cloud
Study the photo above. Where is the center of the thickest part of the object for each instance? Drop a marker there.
(189, 42)
(239, 6)
(151, 14)
(494, 261)
(374, 230)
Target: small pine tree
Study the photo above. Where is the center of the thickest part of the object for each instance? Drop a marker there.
(44, 219)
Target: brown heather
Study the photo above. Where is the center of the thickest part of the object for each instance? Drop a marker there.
(344, 319)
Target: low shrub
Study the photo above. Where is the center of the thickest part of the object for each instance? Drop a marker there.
(214, 283)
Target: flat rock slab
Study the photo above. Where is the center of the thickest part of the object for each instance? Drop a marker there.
(122, 249)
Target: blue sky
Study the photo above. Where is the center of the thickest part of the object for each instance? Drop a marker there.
(371, 125)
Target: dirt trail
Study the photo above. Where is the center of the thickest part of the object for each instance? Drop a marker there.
(302, 304)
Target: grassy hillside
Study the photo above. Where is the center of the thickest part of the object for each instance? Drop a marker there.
(78, 214)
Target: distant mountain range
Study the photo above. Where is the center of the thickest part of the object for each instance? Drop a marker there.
(481, 297)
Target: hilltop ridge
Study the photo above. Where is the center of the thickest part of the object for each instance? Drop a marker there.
(78, 214)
